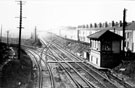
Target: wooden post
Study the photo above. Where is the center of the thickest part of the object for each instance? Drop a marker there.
(20, 29)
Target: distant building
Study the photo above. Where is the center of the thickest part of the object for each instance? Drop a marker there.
(129, 35)
(81, 32)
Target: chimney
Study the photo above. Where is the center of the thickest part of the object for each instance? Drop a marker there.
(106, 24)
(95, 25)
(83, 26)
(87, 26)
(120, 24)
(113, 24)
(91, 25)
(117, 24)
(100, 25)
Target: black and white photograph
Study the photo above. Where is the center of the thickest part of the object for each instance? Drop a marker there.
(67, 43)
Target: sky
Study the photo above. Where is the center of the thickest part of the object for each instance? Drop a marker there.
(52, 14)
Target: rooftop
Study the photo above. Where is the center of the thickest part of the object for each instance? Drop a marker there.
(131, 26)
(104, 34)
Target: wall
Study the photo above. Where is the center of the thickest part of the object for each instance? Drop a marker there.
(83, 33)
(129, 39)
(95, 57)
(110, 60)
(95, 45)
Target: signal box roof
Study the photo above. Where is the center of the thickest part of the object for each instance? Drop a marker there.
(105, 35)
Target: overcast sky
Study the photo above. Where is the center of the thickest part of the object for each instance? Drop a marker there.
(49, 14)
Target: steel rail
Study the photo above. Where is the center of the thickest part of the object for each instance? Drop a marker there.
(91, 85)
(113, 77)
(49, 70)
(39, 69)
(75, 82)
(70, 75)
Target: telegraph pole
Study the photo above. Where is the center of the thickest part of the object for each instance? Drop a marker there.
(124, 25)
(20, 29)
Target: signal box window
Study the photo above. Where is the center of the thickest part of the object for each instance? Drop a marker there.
(96, 60)
(107, 46)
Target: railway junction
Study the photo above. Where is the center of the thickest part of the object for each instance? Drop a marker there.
(57, 67)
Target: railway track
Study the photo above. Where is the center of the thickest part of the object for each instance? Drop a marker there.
(84, 82)
(77, 84)
(67, 73)
(43, 55)
(97, 83)
(43, 70)
(44, 59)
(108, 73)
(84, 79)
(107, 83)
(38, 67)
